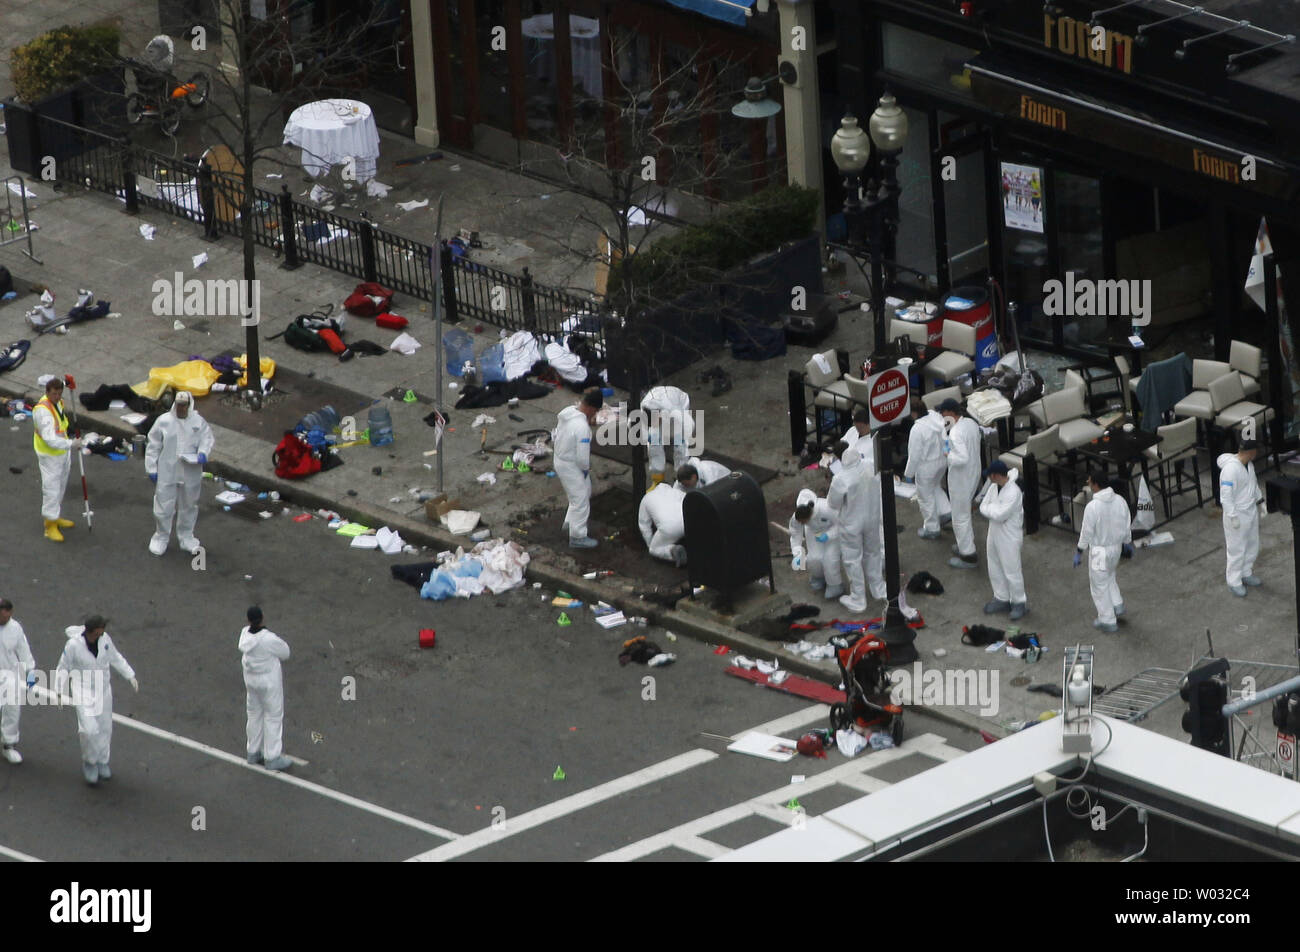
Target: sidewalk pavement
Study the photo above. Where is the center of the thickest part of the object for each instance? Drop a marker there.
(1173, 594)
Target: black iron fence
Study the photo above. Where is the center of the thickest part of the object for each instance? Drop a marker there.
(300, 232)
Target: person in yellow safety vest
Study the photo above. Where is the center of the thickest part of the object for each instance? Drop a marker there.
(52, 441)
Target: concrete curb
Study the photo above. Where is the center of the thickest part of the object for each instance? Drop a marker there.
(299, 494)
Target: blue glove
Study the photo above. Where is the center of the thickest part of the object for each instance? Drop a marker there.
(586, 473)
(31, 679)
(824, 537)
(1078, 557)
(203, 458)
(1127, 549)
(153, 477)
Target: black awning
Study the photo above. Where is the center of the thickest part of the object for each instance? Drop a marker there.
(1037, 102)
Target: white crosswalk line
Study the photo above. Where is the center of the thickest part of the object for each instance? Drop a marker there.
(25, 858)
(561, 808)
(805, 715)
(772, 805)
(242, 761)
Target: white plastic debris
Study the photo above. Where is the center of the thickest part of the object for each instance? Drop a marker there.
(488, 479)
(177, 326)
(21, 190)
(148, 232)
(482, 420)
(200, 259)
(412, 206)
(377, 189)
(404, 343)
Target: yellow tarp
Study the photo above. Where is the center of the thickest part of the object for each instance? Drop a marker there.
(266, 363)
(196, 376)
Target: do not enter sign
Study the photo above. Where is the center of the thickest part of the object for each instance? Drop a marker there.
(889, 397)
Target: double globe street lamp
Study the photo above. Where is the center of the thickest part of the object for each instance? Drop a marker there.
(851, 150)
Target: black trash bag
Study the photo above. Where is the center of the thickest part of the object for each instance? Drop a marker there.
(923, 583)
(979, 635)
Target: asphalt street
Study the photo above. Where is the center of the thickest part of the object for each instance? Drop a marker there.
(437, 743)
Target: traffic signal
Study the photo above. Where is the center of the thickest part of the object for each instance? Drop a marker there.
(1205, 689)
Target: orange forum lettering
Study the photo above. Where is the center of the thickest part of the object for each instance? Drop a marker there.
(1075, 38)
(1212, 165)
(1042, 113)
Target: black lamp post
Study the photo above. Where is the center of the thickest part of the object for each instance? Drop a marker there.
(851, 149)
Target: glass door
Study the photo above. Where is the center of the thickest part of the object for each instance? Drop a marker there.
(962, 169)
(1077, 206)
(1023, 182)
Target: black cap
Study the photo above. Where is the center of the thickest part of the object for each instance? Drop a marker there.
(255, 615)
(1248, 445)
(950, 406)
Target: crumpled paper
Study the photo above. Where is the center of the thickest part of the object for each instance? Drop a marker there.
(404, 343)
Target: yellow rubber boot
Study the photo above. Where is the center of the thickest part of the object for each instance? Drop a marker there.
(64, 523)
(52, 531)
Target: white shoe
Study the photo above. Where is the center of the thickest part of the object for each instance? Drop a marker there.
(848, 602)
(740, 661)
(11, 754)
(157, 546)
(191, 546)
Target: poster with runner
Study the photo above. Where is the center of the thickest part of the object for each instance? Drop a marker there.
(1022, 197)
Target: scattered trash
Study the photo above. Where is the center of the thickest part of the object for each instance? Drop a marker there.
(376, 189)
(304, 517)
(404, 343)
(427, 637)
(604, 574)
(611, 620)
(482, 420)
(200, 259)
(798, 778)
(767, 746)
(850, 743)
(177, 326)
(940, 652)
(230, 498)
(148, 232)
(721, 650)
(412, 206)
(317, 737)
(488, 478)
(482, 535)
(565, 602)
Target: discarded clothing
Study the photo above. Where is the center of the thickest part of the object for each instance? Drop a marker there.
(521, 352)
(498, 393)
(494, 566)
(638, 649)
(14, 354)
(415, 574)
(566, 363)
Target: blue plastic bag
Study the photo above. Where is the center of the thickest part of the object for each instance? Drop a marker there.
(492, 365)
(440, 586)
(459, 348)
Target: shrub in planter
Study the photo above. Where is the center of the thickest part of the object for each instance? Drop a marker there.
(758, 224)
(60, 58)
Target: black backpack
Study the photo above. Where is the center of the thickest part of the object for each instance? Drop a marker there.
(301, 334)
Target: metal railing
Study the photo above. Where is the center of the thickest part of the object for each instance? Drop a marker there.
(300, 232)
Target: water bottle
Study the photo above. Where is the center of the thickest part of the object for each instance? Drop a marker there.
(381, 426)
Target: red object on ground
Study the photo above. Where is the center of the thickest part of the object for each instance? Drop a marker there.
(988, 738)
(919, 623)
(392, 322)
(799, 687)
(302, 517)
(721, 649)
(69, 382)
(427, 636)
(332, 340)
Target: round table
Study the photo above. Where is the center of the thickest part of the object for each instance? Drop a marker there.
(332, 131)
(584, 41)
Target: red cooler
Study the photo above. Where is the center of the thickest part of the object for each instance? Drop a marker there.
(971, 306)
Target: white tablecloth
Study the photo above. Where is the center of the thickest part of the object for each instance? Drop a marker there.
(331, 131)
(584, 42)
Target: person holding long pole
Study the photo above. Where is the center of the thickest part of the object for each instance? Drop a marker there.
(52, 440)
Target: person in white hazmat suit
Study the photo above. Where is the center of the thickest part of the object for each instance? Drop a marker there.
(179, 443)
(572, 440)
(52, 440)
(815, 544)
(1242, 504)
(670, 422)
(84, 669)
(662, 525)
(696, 472)
(963, 452)
(17, 673)
(1004, 509)
(851, 499)
(262, 652)
(926, 465)
(1105, 533)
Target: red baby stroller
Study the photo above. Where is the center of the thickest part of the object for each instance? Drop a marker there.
(862, 658)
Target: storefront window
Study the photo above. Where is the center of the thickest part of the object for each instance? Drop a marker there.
(541, 96)
(494, 67)
(1077, 209)
(1024, 222)
(926, 59)
(915, 244)
(965, 210)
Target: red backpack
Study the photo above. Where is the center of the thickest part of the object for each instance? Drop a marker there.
(368, 299)
(293, 458)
